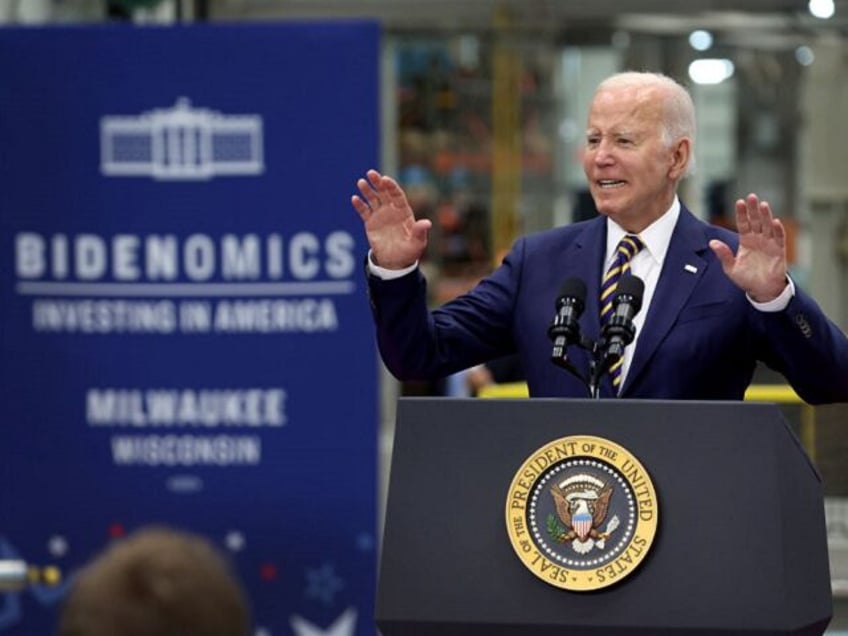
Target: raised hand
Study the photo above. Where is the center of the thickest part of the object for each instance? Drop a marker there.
(396, 238)
(759, 266)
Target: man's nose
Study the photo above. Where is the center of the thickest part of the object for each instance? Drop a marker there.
(603, 153)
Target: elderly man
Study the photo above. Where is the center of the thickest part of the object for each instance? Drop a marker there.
(715, 303)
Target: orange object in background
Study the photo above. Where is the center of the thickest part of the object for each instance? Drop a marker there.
(789, 225)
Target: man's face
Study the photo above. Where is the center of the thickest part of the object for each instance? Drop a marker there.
(632, 173)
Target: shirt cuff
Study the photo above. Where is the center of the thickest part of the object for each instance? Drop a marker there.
(390, 274)
(777, 304)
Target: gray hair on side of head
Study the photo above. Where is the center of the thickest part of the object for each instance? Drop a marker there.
(679, 109)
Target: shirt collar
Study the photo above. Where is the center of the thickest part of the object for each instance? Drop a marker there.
(656, 236)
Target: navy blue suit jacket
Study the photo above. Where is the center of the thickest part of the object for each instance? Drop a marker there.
(701, 338)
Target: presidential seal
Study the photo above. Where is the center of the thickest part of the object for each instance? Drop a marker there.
(581, 513)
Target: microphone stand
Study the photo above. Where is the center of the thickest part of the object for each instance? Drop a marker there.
(615, 335)
(562, 337)
(597, 367)
(603, 357)
(604, 352)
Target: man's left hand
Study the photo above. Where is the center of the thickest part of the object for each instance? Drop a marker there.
(759, 265)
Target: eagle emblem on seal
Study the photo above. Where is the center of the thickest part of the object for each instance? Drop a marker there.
(582, 503)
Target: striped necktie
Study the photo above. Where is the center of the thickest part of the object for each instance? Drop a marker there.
(626, 250)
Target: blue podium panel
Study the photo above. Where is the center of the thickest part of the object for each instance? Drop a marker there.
(182, 314)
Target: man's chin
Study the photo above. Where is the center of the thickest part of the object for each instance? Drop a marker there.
(605, 206)
(606, 210)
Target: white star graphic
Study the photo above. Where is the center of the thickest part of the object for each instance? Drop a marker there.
(344, 625)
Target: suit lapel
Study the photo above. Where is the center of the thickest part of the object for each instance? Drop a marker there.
(584, 260)
(674, 287)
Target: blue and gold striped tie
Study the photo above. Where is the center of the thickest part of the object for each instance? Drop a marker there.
(626, 250)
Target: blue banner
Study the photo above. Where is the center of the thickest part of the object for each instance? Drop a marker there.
(185, 337)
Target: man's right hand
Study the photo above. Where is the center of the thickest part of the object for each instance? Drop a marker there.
(397, 240)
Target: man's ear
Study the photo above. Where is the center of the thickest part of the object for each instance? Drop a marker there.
(680, 157)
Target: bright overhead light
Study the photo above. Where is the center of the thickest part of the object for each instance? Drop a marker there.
(700, 40)
(823, 9)
(710, 71)
(804, 55)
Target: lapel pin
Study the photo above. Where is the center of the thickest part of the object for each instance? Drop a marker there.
(690, 268)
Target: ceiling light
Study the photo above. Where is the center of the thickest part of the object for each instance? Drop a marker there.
(710, 71)
(823, 9)
(700, 40)
(804, 55)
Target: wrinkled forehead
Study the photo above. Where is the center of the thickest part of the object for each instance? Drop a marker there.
(627, 108)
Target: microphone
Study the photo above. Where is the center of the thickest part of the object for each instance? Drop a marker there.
(619, 331)
(565, 328)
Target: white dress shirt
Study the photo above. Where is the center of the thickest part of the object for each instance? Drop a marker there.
(646, 264)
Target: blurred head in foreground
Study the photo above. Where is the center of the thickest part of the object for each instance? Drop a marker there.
(157, 581)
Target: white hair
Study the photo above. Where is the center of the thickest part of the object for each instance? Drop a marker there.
(678, 108)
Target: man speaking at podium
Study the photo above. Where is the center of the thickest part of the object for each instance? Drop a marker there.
(703, 304)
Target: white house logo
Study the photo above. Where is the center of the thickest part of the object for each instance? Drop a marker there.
(181, 144)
